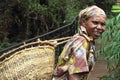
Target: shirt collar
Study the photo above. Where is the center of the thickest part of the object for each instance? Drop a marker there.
(84, 33)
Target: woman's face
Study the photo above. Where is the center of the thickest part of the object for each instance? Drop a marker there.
(95, 25)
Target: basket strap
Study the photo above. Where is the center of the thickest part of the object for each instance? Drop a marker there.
(62, 40)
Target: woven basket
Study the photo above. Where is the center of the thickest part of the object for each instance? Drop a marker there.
(31, 61)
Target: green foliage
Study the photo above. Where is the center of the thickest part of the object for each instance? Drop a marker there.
(116, 7)
(33, 17)
(4, 45)
(111, 47)
(106, 5)
(73, 7)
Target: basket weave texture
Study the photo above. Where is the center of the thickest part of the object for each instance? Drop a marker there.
(32, 62)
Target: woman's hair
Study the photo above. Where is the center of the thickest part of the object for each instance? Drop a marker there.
(90, 11)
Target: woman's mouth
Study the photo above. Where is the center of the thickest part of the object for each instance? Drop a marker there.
(97, 34)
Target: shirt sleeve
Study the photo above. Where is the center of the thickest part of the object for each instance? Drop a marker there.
(65, 54)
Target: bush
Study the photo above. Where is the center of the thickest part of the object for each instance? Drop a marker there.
(111, 47)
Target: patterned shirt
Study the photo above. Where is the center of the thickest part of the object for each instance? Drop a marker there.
(77, 55)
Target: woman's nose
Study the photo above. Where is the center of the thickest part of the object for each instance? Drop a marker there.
(99, 26)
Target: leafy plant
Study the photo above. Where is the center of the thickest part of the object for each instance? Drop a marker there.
(4, 44)
(111, 47)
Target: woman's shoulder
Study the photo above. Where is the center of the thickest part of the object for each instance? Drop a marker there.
(81, 40)
(79, 37)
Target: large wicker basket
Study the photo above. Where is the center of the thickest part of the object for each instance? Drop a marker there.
(31, 61)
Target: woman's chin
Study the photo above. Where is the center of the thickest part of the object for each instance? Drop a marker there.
(96, 36)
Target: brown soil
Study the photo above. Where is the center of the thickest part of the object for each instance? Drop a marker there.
(100, 69)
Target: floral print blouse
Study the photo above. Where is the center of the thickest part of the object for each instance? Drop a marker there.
(77, 55)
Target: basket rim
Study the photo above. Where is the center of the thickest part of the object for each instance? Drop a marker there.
(38, 43)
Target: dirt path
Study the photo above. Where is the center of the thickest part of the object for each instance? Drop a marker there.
(100, 69)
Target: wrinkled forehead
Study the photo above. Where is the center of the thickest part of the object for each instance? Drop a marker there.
(90, 11)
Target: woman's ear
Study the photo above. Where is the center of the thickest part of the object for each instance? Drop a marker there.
(83, 22)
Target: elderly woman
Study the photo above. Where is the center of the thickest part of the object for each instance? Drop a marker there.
(78, 56)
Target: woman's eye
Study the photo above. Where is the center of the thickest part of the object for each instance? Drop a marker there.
(103, 24)
(95, 22)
